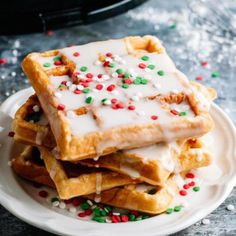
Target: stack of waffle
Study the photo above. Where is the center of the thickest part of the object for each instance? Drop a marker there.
(112, 121)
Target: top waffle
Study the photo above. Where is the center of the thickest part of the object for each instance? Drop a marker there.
(115, 94)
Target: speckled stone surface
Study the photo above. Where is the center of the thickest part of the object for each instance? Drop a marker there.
(189, 42)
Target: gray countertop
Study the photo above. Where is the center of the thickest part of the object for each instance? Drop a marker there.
(192, 34)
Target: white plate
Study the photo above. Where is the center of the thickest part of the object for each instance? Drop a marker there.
(217, 183)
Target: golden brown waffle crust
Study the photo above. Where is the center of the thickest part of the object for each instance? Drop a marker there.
(74, 148)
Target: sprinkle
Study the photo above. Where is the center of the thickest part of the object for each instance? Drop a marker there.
(174, 112)
(84, 206)
(126, 75)
(86, 90)
(77, 91)
(55, 203)
(169, 210)
(99, 86)
(160, 72)
(47, 64)
(183, 192)
(196, 189)
(177, 208)
(62, 205)
(186, 186)
(109, 54)
(215, 74)
(89, 75)
(76, 54)
(106, 63)
(128, 81)
(43, 194)
(182, 113)
(151, 67)
(111, 65)
(11, 134)
(206, 221)
(97, 63)
(99, 219)
(204, 63)
(68, 201)
(72, 209)
(119, 71)
(82, 214)
(199, 78)
(192, 183)
(36, 108)
(190, 175)
(131, 217)
(145, 58)
(105, 77)
(158, 86)
(76, 202)
(142, 65)
(3, 61)
(114, 75)
(124, 218)
(131, 107)
(61, 107)
(90, 202)
(138, 80)
(111, 87)
(83, 68)
(113, 100)
(89, 100)
(135, 98)
(230, 207)
(57, 63)
(115, 219)
(144, 81)
(125, 86)
(120, 105)
(134, 213)
(154, 117)
(106, 101)
(88, 212)
(138, 218)
(13, 73)
(50, 33)
(173, 26)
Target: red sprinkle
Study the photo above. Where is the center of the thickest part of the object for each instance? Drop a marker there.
(82, 214)
(11, 134)
(89, 75)
(113, 106)
(120, 75)
(190, 175)
(120, 105)
(68, 201)
(183, 192)
(50, 33)
(88, 212)
(133, 212)
(192, 183)
(114, 220)
(99, 76)
(64, 82)
(204, 63)
(77, 91)
(131, 107)
(76, 202)
(57, 63)
(61, 107)
(186, 186)
(128, 81)
(199, 78)
(154, 117)
(76, 54)
(109, 54)
(106, 63)
(174, 112)
(3, 61)
(99, 86)
(85, 84)
(142, 65)
(113, 100)
(75, 74)
(124, 218)
(43, 194)
(111, 87)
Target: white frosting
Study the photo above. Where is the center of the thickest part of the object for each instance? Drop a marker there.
(39, 138)
(98, 187)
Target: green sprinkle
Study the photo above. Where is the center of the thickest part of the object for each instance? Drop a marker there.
(119, 71)
(88, 100)
(151, 67)
(177, 208)
(54, 199)
(146, 217)
(84, 206)
(138, 218)
(97, 211)
(103, 213)
(57, 58)
(62, 86)
(47, 64)
(145, 58)
(160, 72)
(99, 219)
(104, 100)
(152, 191)
(107, 208)
(138, 80)
(112, 65)
(125, 86)
(126, 75)
(173, 26)
(169, 210)
(144, 81)
(83, 68)
(196, 189)
(215, 74)
(35, 117)
(131, 217)
(183, 113)
(86, 90)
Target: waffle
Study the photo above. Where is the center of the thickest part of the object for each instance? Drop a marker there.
(98, 102)
(141, 197)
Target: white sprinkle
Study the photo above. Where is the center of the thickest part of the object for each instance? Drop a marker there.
(147, 70)
(13, 73)
(135, 98)
(206, 221)
(57, 94)
(108, 221)
(15, 52)
(97, 62)
(55, 203)
(36, 108)
(80, 87)
(106, 77)
(1, 128)
(9, 163)
(96, 158)
(230, 207)
(62, 205)
(89, 202)
(116, 213)
(108, 59)
(199, 158)
(107, 102)
(72, 209)
(114, 75)
(94, 206)
(16, 44)
(71, 114)
(141, 113)
(158, 86)
(3, 76)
